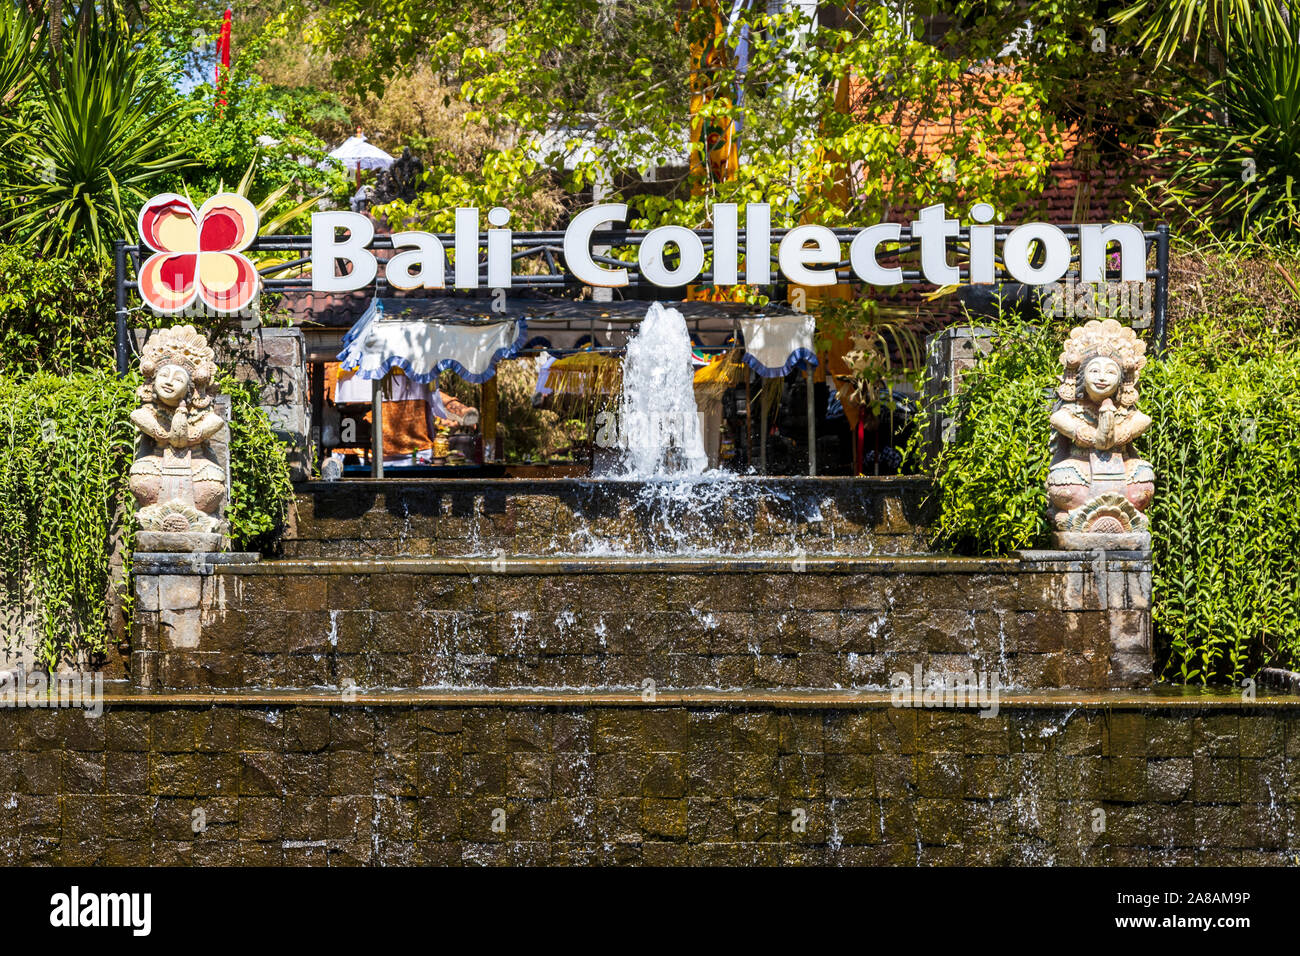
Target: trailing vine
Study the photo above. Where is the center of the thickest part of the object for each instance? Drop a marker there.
(1225, 445)
(65, 442)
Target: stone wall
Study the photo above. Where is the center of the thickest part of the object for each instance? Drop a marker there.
(1040, 620)
(276, 360)
(357, 519)
(315, 781)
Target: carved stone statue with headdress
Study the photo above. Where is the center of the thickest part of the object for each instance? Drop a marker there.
(1098, 487)
(178, 480)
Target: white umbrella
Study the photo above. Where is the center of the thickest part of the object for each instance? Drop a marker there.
(356, 153)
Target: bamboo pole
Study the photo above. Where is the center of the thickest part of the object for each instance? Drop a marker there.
(489, 417)
(812, 426)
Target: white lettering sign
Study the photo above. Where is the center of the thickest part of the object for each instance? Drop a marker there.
(1034, 253)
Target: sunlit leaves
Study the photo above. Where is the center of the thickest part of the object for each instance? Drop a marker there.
(1232, 149)
(95, 146)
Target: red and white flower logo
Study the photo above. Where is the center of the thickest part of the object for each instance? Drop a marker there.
(197, 254)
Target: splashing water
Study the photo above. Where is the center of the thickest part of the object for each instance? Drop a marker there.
(659, 424)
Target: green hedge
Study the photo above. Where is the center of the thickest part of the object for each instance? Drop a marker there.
(1225, 445)
(66, 442)
(1226, 450)
(56, 313)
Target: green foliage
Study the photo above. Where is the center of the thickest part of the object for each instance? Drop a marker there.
(260, 488)
(992, 474)
(1226, 451)
(20, 36)
(1225, 445)
(65, 444)
(511, 178)
(257, 124)
(1232, 148)
(1173, 26)
(90, 147)
(597, 96)
(56, 313)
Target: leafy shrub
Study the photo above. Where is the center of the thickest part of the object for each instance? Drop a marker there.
(1229, 150)
(992, 474)
(94, 146)
(1225, 445)
(1226, 450)
(56, 313)
(260, 487)
(65, 444)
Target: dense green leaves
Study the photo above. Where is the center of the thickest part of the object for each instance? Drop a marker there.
(1225, 445)
(260, 488)
(65, 442)
(56, 313)
(19, 39)
(1233, 147)
(992, 472)
(1171, 27)
(595, 93)
(91, 147)
(1226, 450)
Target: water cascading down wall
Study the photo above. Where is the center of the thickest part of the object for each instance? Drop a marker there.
(664, 669)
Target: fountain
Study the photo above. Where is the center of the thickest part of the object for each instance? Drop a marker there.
(671, 638)
(659, 425)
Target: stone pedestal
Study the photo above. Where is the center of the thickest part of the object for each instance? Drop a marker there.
(1098, 541)
(176, 595)
(1118, 584)
(184, 541)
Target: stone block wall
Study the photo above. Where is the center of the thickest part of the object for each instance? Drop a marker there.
(386, 780)
(276, 360)
(1039, 620)
(358, 519)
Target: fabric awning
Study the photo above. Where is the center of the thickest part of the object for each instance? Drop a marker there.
(777, 344)
(423, 349)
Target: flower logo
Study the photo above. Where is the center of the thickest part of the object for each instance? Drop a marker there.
(197, 254)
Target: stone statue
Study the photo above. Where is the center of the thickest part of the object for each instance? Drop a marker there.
(399, 181)
(1097, 487)
(178, 479)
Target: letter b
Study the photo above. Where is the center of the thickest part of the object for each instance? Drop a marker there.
(325, 249)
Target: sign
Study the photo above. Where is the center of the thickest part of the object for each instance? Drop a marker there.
(197, 253)
(806, 254)
(197, 259)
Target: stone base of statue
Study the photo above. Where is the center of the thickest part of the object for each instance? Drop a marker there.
(182, 541)
(1102, 541)
(1106, 521)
